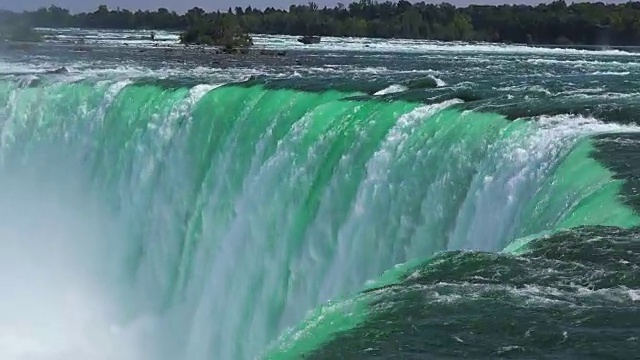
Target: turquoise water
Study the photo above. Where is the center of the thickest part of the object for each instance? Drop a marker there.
(260, 220)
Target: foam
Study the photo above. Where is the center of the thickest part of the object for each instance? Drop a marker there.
(141, 38)
(418, 46)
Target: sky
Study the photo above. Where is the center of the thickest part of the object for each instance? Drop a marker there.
(183, 5)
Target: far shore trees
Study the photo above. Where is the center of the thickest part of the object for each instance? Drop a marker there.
(557, 22)
(223, 31)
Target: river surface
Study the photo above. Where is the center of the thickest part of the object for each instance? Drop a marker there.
(355, 199)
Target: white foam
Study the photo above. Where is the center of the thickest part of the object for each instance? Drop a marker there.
(584, 62)
(25, 68)
(611, 73)
(439, 82)
(141, 38)
(98, 70)
(418, 46)
(391, 89)
(136, 38)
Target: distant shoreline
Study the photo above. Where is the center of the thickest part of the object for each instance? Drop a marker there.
(556, 23)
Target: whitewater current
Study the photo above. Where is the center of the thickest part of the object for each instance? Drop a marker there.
(355, 200)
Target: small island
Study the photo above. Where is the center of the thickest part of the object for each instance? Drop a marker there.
(224, 32)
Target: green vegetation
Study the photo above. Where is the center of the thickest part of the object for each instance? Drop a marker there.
(554, 23)
(221, 31)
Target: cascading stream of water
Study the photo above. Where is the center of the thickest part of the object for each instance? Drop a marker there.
(202, 222)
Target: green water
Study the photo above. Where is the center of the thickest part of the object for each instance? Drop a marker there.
(252, 219)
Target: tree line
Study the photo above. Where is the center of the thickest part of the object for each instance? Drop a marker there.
(553, 23)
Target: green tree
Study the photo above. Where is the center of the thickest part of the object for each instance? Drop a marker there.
(556, 22)
(223, 31)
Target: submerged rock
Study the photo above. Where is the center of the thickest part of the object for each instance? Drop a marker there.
(61, 70)
(273, 53)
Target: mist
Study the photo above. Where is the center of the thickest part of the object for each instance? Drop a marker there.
(58, 260)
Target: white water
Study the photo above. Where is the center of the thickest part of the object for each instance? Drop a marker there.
(517, 167)
(140, 38)
(58, 302)
(234, 283)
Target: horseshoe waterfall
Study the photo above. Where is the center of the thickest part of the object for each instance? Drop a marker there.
(321, 211)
